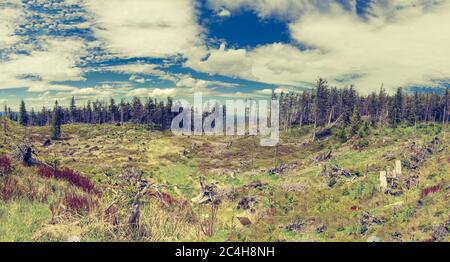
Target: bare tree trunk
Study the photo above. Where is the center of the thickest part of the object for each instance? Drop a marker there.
(122, 116)
(444, 118)
(315, 127)
(5, 130)
(331, 116)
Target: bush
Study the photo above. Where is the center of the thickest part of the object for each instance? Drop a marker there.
(78, 204)
(430, 190)
(362, 143)
(5, 165)
(10, 189)
(68, 175)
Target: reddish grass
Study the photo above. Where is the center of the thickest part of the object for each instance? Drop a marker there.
(11, 189)
(354, 208)
(78, 204)
(68, 175)
(6, 165)
(430, 190)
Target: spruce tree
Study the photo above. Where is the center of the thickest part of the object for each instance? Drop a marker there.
(23, 118)
(56, 122)
(73, 110)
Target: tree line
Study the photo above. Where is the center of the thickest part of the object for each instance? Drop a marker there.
(322, 107)
(149, 111)
(325, 105)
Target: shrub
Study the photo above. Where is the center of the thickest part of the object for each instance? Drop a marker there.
(5, 165)
(430, 190)
(11, 189)
(362, 143)
(78, 204)
(68, 175)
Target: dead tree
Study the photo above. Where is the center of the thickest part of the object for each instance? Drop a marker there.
(207, 194)
(142, 186)
(327, 130)
(5, 130)
(25, 154)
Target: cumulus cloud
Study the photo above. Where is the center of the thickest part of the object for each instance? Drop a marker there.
(399, 44)
(278, 90)
(152, 92)
(230, 62)
(189, 82)
(285, 9)
(142, 28)
(224, 13)
(11, 14)
(57, 61)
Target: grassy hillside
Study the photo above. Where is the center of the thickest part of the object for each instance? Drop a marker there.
(294, 192)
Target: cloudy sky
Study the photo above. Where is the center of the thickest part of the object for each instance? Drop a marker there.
(96, 49)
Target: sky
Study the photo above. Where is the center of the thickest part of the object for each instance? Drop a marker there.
(226, 49)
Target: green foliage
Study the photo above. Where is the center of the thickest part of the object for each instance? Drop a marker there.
(57, 120)
(23, 117)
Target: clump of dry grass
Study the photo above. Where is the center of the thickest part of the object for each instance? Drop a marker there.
(69, 175)
(6, 165)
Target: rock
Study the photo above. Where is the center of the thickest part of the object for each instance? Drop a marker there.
(246, 203)
(256, 185)
(374, 239)
(321, 229)
(295, 226)
(73, 239)
(367, 220)
(244, 221)
(397, 236)
(47, 143)
(441, 233)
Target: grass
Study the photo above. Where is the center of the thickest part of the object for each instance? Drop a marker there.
(49, 209)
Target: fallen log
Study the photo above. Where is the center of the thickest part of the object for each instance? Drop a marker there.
(326, 131)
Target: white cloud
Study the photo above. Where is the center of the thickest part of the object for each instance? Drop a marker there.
(285, 9)
(56, 62)
(142, 28)
(91, 91)
(224, 13)
(277, 90)
(402, 45)
(11, 14)
(135, 68)
(135, 78)
(230, 62)
(189, 82)
(152, 92)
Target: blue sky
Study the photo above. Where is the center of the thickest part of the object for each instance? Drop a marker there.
(97, 49)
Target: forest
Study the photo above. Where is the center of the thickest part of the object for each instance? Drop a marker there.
(321, 106)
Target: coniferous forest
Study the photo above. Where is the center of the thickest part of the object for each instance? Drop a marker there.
(321, 106)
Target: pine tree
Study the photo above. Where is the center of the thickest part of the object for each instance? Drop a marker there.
(397, 108)
(24, 118)
(136, 110)
(112, 110)
(73, 110)
(322, 106)
(56, 122)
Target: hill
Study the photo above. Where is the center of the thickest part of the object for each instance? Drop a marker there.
(125, 183)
